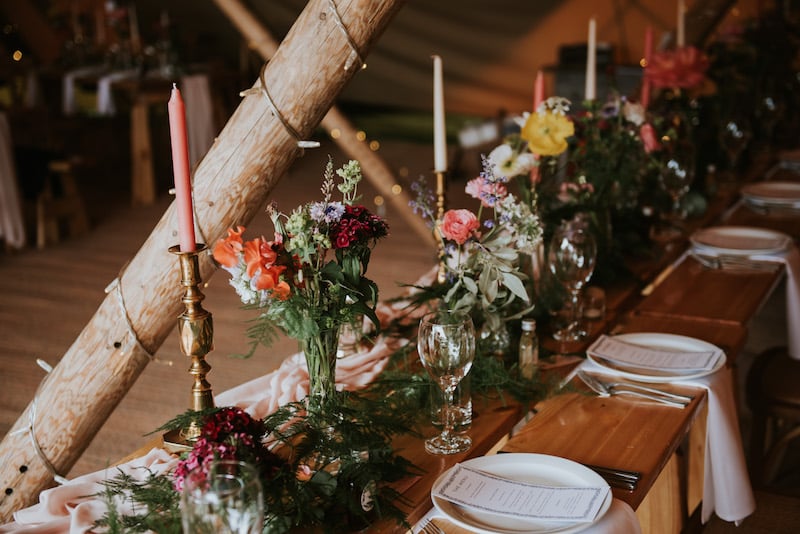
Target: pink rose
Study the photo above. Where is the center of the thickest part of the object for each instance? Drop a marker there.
(459, 225)
(648, 135)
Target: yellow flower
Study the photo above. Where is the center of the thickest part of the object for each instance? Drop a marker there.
(547, 133)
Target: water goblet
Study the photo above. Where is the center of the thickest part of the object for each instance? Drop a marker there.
(675, 178)
(734, 136)
(571, 256)
(446, 345)
(226, 499)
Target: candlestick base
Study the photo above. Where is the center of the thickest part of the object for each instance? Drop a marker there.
(440, 207)
(196, 334)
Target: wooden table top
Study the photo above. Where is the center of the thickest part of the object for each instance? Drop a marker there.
(694, 291)
(617, 432)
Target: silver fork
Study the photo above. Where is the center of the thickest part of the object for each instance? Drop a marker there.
(429, 527)
(601, 389)
(639, 387)
(735, 263)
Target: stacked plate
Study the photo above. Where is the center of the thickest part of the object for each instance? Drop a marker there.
(768, 196)
(656, 357)
(739, 240)
(543, 471)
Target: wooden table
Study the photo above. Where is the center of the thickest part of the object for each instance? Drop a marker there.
(643, 437)
(696, 292)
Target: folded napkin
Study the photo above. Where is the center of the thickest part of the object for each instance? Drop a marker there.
(726, 489)
(74, 508)
(618, 519)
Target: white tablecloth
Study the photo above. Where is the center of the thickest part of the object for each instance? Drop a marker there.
(618, 519)
(12, 226)
(726, 490)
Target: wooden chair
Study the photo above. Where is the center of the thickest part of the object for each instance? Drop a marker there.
(60, 204)
(773, 394)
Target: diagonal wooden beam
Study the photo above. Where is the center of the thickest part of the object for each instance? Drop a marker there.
(375, 168)
(231, 185)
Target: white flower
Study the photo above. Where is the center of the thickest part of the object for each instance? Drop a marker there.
(505, 162)
(633, 112)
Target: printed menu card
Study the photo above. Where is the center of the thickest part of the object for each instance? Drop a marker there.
(617, 351)
(490, 493)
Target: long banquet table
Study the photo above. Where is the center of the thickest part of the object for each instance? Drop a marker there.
(664, 444)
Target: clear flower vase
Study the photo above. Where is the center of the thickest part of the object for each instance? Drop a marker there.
(320, 352)
(494, 338)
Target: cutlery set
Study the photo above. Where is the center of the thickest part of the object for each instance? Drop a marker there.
(617, 478)
(608, 389)
(735, 263)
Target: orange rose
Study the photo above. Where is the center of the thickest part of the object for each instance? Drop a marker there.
(459, 225)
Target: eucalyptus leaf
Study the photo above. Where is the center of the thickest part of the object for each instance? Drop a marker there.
(515, 285)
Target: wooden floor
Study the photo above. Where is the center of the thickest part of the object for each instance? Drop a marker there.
(48, 296)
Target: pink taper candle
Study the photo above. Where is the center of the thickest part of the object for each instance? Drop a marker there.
(538, 91)
(648, 53)
(180, 170)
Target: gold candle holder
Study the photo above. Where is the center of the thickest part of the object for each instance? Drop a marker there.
(440, 205)
(196, 335)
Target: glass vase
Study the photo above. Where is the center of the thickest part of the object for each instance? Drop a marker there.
(320, 352)
(494, 338)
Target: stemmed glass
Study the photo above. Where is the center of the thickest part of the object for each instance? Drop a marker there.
(571, 257)
(675, 178)
(446, 345)
(227, 499)
(734, 135)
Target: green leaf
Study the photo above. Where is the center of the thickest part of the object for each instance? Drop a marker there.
(470, 284)
(515, 285)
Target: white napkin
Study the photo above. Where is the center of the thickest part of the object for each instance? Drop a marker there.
(73, 507)
(791, 259)
(12, 226)
(105, 98)
(68, 86)
(726, 489)
(618, 519)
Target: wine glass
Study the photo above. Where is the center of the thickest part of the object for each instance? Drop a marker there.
(675, 178)
(734, 135)
(571, 257)
(227, 499)
(446, 345)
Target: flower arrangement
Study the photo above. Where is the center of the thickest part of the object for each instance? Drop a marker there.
(313, 476)
(480, 253)
(311, 278)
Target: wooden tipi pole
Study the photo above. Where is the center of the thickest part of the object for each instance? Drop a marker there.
(375, 168)
(231, 186)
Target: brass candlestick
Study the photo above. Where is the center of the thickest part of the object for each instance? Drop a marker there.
(440, 205)
(196, 334)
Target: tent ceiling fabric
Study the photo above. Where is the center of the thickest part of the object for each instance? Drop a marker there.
(469, 35)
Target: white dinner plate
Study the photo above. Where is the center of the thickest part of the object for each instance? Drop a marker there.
(772, 193)
(740, 240)
(655, 340)
(532, 468)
